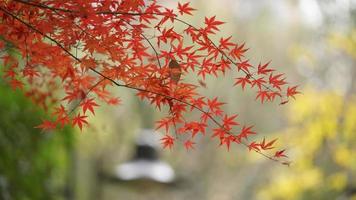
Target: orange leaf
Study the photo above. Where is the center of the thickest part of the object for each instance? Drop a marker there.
(79, 121)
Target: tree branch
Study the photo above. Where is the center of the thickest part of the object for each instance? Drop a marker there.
(130, 86)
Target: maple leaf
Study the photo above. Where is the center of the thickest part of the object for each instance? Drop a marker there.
(195, 127)
(59, 110)
(262, 69)
(267, 146)
(227, 141)
(63, 120)
(263, 95)
(225, 43)
(71, 96)
(167, 141)
(291, 91)
(184, 8)
(279, 154)
(245, 132)
(229, 121)
(219, 132)
(14, 83)
(88, 104)
(199, 102)
(215, 106)
(244, 65)
(254, 146)
(277, 80)
(212, 24)
(79, 120)
(47, 125)
(164, 123)
(238, 52)
(188, 144)
(30, 72)
(259, 82)
(272, 95)
(9, 74)
(243, 81)
(2, 45)
(114, 101)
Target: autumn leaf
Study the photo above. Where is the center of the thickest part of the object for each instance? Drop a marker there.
(88, 104)
(215, 106)
(212, 24)
(245, 132)
(185, 9)
(16, 84)
(292, 91)
(268, 145)
(242, 81)
(279, 154)
(263, 95)
(259, 82)
(188, 144)
(167, 141)
(165, 122)
(227, 141)
(254, 146)
(46, 125)
(229, 121)
(79, 120)
(277, 81)
(263, 70)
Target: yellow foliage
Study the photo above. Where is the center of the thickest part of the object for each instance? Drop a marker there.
(337, 181)
(345, 42)
(324, 149)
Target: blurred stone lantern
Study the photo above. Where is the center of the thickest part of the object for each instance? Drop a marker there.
(145, 163)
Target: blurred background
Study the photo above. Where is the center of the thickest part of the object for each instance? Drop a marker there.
(312, 41)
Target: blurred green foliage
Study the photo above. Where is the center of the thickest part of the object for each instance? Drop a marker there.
(33, 164)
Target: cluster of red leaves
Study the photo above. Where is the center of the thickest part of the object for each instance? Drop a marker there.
(80, 48)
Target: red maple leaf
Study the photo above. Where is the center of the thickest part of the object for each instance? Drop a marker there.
(215, 106)
(79, 120)
(267, 146)
(263, 95)
(262, 69)
(188, 144)
(292, 91)
(228, 122)
(184, 8)
(238, 51)
(277, 80)
(242, 81)
(227, 141)
(259, 82)
(14, 83)
(47, 125)
(280, 154)
(167, 141)
(88, 104)
(212, 24)
(254, 146)
(245, 132)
